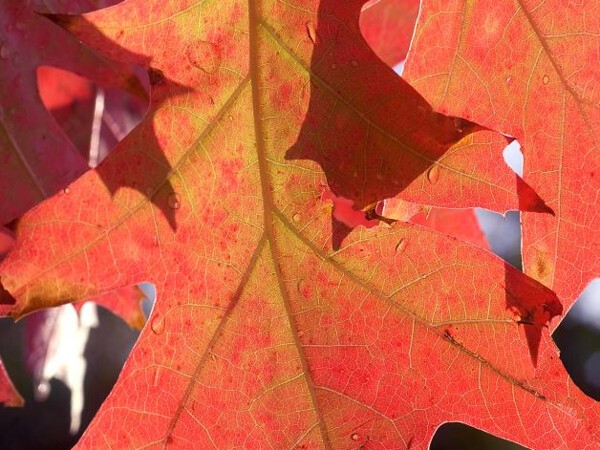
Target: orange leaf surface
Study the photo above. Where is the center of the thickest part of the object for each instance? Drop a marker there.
(529, 70)
(35, 165)
(262, 334)
(460, 223)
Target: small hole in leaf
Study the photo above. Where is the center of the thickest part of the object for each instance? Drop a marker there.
(503, 233)
(513, 157)
(578, 338)
(456, 435)
(149, 291)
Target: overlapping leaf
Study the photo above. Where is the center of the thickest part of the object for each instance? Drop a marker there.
(387, 26)
(37, 157)
(70, 6)
(262, 335)
(529, 70)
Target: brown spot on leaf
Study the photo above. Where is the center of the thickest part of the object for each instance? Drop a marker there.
(540, 265)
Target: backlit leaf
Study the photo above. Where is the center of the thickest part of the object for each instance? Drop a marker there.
(520, 67)
(263, 334)
(387, 26)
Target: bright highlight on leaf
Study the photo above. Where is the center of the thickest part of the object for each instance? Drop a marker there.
(279, 322)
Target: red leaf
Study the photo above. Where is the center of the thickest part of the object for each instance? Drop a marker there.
(125, 303)
(387, 26)
(7, 241)
(71, 6)
(263, 335)
(529, 70)
(70, 99)
(8, 394)
(461, 223)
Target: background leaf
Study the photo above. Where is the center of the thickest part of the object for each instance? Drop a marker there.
(36, 165)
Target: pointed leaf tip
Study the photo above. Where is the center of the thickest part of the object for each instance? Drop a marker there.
(529, 200)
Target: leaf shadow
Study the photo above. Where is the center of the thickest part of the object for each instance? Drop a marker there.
(128, 166)
(371, 154)
(139, 160)
(367, 155)
(532, 310)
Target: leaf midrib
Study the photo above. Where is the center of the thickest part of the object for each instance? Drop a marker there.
(269, 208)
(271, 212)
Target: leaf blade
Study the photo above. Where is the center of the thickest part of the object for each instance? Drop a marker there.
(365, 316)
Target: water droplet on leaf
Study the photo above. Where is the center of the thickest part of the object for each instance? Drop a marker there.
(434, 174)
(312, 33)
(174, 201)
(355, 436)
(546, 79)
(204, 55)
(158, 325)
(401, 245)
(43, 387)
(333, 66)
(67, 190)
(296, 217)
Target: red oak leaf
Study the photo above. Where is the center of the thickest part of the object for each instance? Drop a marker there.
(529, 70)
(263, 335)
